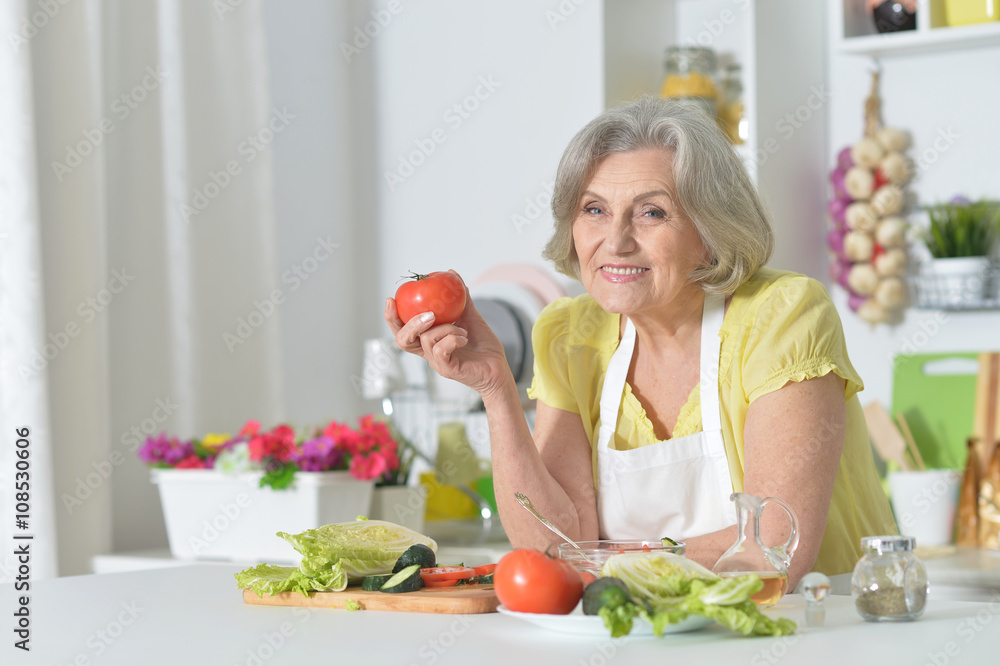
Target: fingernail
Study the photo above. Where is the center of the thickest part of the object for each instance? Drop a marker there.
(387, 301)
(426, 317)
(463, 332)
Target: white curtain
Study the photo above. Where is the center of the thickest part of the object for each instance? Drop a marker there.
(138, 222)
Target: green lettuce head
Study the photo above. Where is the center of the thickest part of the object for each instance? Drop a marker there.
(361, 547)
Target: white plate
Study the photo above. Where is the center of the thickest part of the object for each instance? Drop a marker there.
(592, 625)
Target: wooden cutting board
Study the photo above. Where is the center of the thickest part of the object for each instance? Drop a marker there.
(459, 599)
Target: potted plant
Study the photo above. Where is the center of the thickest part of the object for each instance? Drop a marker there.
(225, 496)
(961, 237)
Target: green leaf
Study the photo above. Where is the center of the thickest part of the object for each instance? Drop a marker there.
(619, 619)
(279, 478)
(272, 579)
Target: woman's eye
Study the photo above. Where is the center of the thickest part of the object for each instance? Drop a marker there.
(592, 210)
(653, 212)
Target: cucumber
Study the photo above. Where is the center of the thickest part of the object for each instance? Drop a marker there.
(607, 591)
(374, 583)
(406, 580)
(419, 554)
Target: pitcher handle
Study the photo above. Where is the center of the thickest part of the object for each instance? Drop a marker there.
(793, 539)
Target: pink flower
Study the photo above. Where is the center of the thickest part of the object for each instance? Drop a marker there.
(250, 428)
(368, 467)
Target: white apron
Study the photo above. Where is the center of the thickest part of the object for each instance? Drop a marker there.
(677, 488)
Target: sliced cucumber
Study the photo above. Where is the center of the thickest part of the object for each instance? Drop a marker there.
(418, 553)
(407, 580)
(667, 542)
(374, 583)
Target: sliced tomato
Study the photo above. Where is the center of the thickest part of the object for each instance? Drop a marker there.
(484, 569)
(451, 575)
(443, 583)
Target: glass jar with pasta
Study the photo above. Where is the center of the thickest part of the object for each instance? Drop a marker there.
(689, 75)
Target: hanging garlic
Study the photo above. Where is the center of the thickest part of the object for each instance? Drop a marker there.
(887, 200)
(858, 246)
(893, 139)
(862, 279)
(891, 232)
(860, 216)
(873, 312)
(890, 292)
(867, 152)
(895, 168)
(892, 262)
(859, 182)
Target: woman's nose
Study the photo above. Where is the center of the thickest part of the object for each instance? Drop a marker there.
(620, 238)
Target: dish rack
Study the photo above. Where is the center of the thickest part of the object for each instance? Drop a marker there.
(417, 416)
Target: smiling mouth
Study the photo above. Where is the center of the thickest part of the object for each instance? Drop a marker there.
(625, 270)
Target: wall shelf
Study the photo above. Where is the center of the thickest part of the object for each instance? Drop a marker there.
(855, 33)
(922, 41)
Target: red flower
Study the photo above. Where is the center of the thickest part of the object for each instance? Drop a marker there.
(344, 438)
(191, 462)
(278, 444)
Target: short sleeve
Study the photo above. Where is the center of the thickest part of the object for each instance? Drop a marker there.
(550, 343)
(795, 334)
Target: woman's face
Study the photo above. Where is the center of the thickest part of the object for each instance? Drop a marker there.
(635, 245)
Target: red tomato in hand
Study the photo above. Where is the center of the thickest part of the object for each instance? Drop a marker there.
(441, 293)
(529, 581)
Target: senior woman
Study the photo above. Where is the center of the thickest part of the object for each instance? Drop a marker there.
(686, 372)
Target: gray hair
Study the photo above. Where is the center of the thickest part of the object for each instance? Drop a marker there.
(712, 185)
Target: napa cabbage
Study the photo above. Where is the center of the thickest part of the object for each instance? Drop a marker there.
(334, 555)
(361, 547)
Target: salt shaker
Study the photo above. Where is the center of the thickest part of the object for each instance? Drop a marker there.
(889, 583)
(815, 587)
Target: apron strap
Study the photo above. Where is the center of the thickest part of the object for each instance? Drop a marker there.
(713, 313)
(711, 324)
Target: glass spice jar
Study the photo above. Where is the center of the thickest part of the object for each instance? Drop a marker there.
(689, 75)
(889, 581)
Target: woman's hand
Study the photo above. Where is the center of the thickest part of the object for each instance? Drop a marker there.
(467, 351)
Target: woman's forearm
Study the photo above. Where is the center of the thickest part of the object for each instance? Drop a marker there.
(518, 466)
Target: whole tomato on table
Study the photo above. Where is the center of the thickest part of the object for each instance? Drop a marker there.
(529, 581)
(442, 293)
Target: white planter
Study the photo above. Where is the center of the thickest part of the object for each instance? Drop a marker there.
(211, 515)
(962, 280)
(403, 505)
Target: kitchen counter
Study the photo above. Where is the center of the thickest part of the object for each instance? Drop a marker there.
(195, 615)
(971, 574)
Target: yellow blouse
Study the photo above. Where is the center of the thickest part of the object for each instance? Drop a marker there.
(780, 327)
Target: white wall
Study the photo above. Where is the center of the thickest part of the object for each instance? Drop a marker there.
(323, 190)
(537, 84)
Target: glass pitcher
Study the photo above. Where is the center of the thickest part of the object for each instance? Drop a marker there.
(750, 555)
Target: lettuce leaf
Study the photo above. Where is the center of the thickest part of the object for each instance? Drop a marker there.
(272, 579)
(667, 588)
(361, 547)
(619, 618)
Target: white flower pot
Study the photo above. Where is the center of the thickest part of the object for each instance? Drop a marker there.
(962, 280)
(403, 505)
(212, 515)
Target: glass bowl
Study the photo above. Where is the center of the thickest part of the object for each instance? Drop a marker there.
(592, 555)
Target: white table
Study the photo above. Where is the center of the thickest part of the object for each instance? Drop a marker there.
(194, 615)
